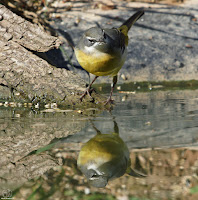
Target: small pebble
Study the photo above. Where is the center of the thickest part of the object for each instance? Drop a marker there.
(37, 105)
(80, 111)
(6, 104)
(87, 191)
(54, 105)
(29, 104)
(12, 104)
(17, 115)
(123, 77)
(19, 104)
(47, 105)
(119, 88)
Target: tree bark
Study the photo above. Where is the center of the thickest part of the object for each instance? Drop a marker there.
(24, 73)
(28, 35)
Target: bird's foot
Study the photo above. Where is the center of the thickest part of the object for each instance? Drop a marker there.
(88, 92)
(109, 101)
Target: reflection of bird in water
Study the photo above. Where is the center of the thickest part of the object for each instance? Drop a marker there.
(105, 157)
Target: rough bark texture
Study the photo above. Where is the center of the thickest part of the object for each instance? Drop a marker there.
(27, 75)
(17, 29)
(32, 76)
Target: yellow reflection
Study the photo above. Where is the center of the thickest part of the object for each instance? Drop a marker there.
(105, 157)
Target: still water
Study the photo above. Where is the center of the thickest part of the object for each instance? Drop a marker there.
(149, 139)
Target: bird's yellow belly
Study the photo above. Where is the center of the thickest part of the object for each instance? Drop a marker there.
(102, 148)
(100, 65)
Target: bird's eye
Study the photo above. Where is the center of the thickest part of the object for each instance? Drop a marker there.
(95, 175)
(92, 41)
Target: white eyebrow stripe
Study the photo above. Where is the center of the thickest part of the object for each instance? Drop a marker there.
(90, 38)
(94, 167)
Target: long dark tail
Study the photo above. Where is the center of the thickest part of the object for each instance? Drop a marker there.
(132, 19)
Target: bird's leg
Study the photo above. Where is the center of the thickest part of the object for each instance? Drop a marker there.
(97, 131)
(88, 90)
(110, 100)
(116, 128)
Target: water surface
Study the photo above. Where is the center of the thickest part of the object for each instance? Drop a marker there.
(39, 148)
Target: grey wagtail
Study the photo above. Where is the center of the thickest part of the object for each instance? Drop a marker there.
(104, 158)
(102, 52)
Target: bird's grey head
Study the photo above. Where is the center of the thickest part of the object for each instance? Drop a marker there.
(94, 38)
(103, 40)
(98, 175)
(95, 179)
(95, 35)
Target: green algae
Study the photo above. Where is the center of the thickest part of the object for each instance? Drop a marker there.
(147, 86)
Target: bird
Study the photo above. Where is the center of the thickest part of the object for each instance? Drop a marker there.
(102, 52)
(105, 157)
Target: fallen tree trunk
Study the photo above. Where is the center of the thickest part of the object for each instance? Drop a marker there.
(27, 75)
(28, 35)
